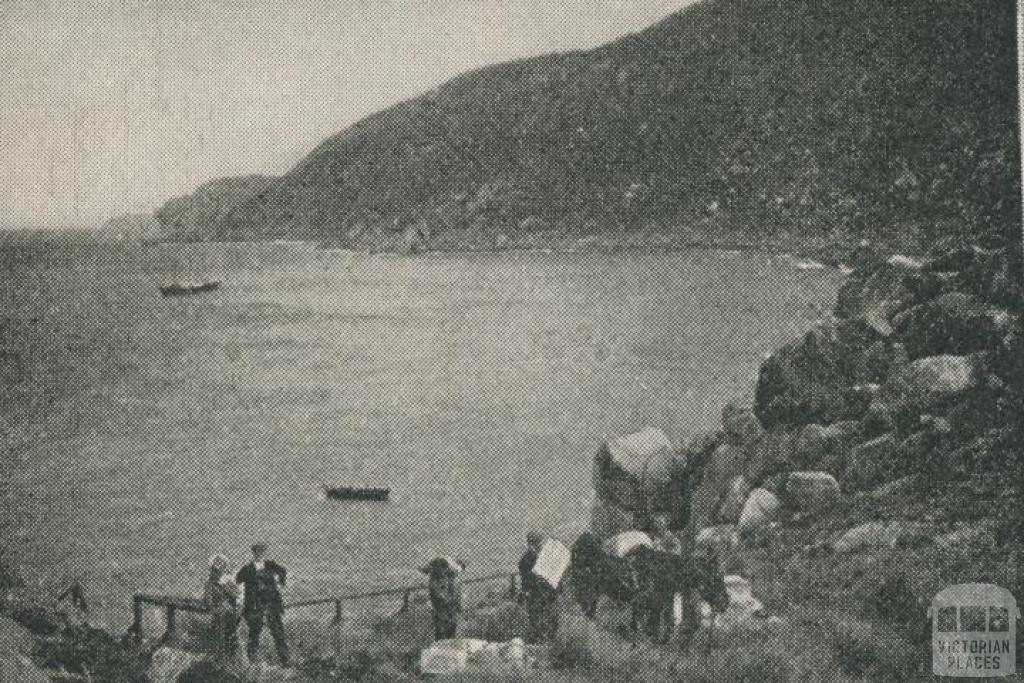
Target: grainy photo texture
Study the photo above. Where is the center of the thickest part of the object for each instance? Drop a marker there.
(510, 340)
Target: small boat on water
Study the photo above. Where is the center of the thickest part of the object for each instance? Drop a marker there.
(352, 493)
(188, 288)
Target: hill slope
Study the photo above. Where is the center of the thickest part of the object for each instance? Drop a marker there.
(192, 217)
(743, 118)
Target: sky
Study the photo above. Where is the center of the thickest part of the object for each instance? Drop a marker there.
(113, 106)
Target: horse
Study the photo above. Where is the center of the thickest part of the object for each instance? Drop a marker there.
(647, 580)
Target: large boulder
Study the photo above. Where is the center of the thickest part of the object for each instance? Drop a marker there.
(806, 381)
(732, 503)
(812, 491)
(930, 382)
(870, 462)
(954, 323)
(762, 508)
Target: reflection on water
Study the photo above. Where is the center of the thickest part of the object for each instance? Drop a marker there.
(144, 434)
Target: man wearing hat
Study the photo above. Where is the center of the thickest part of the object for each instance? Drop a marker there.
(263, 580)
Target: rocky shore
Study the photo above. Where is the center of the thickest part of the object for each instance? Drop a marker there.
(877, 461)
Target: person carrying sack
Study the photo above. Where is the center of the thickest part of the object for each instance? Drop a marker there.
(220, 596)
(263, 580)
(445, 595)
(541, 599)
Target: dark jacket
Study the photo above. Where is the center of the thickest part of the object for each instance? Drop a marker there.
(445, 593)
(526, 578)
(261, 591)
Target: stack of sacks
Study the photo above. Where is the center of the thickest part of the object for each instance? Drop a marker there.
(632, 474)
(449, 656)
(460, 654)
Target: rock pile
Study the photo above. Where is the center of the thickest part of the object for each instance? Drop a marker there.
(919, 369)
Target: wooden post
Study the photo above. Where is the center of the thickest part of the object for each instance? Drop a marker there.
(406, 597)
(170, 621)
(136, 630)
(511, 585)
(339, 624)
(339, 615)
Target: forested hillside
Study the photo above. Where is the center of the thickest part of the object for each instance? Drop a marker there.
(742, 120)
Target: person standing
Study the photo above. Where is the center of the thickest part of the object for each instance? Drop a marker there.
(445, 595)
(221, 598)
(263, 580)
(541, 599)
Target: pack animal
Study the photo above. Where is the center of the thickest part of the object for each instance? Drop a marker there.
(646, 579)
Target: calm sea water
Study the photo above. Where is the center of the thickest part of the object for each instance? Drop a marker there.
(140, 435)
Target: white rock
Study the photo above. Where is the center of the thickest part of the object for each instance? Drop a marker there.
(761, 508)
(930, 380)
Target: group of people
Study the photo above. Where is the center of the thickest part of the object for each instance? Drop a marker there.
(259, 584)
(538, 596)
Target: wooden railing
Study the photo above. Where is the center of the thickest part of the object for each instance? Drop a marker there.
(172, 604)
